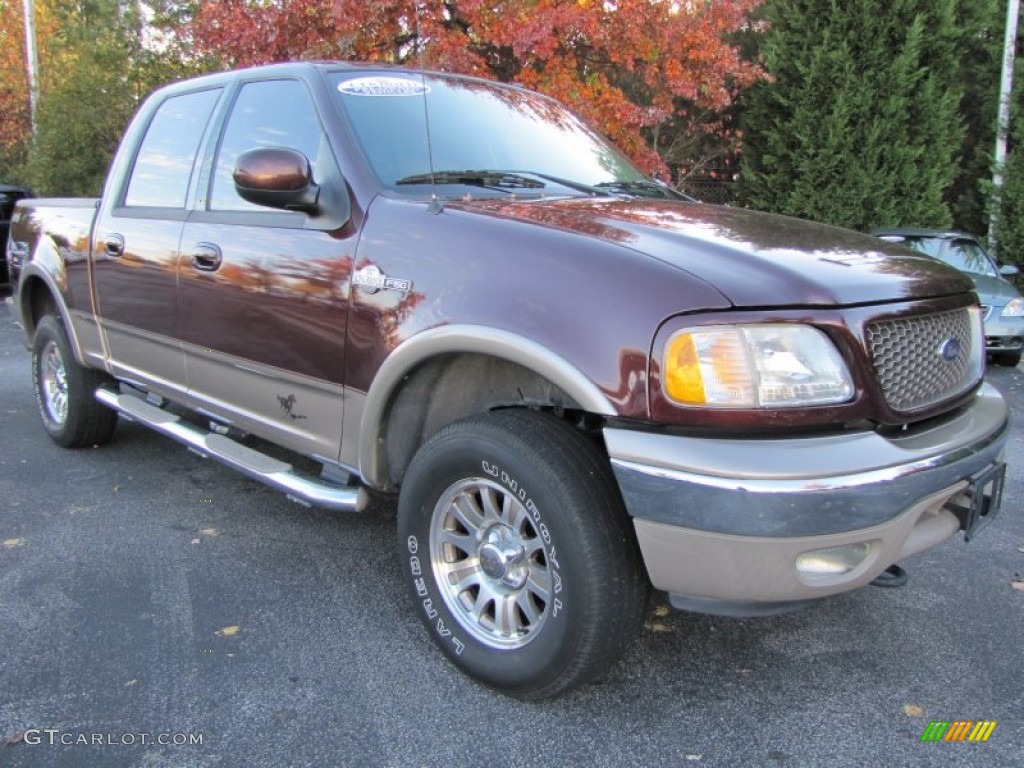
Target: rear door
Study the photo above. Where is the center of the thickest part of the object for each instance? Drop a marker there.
(264, 293)
(135, 246)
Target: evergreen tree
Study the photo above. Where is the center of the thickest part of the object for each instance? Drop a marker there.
(96, 69)
(1010, 227)
(860, 126)
(980, 48)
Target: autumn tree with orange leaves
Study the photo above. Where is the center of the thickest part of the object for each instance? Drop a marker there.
(635, 68)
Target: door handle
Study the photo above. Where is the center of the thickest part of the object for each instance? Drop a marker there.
(206, 257)
(113, 245)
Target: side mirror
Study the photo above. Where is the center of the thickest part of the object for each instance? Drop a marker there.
(278, 178)
(1009, 270)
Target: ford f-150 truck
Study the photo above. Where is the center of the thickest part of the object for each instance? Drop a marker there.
(340, 279)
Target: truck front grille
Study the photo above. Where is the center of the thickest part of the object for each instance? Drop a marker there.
(925, 359)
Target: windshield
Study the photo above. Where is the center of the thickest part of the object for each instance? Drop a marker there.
(485, 138)
(965, 255)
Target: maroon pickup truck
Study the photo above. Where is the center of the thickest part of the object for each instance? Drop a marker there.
(336, 278)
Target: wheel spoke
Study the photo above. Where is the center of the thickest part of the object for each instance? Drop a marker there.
(539, 582)
(533, 546)
(506, 619)
(460, 541)
(491, 509)
(517, 518)
(526, 604)
(464, 509)
(484, 598)
(464, 576)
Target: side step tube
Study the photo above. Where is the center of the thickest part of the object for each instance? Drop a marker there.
(258, 466)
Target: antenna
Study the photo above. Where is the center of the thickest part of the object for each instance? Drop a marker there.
(435, 206)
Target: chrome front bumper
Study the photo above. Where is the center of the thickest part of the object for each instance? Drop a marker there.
(722, 522)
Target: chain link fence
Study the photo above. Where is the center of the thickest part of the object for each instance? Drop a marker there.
(709, 191)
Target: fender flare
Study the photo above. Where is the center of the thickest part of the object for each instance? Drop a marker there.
(37, 270)
(455, 339)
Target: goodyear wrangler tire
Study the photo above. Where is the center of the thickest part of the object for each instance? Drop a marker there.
(65, 390)
(519, 554)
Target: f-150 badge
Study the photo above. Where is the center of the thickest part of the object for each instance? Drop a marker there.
(373, 280)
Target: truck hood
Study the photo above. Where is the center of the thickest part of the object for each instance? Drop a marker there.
(754, 259)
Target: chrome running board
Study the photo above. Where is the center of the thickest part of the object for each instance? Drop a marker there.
(277, 474)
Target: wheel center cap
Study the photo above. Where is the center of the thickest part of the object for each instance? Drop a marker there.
(492, 561)
(501, 557)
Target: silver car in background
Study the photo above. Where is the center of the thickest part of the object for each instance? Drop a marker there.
(1000, 300)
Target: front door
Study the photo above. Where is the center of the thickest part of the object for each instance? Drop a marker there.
(264, 293)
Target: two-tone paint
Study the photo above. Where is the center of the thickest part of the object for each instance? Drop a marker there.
(353, 335)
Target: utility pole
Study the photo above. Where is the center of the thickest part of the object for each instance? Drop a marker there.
(31, 60)
(1003, 125)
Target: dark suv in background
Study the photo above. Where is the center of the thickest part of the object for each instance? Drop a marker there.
(9, 195)
(1001, 301)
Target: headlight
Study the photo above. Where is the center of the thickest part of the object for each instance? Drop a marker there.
(1013, 308)
(755, 366)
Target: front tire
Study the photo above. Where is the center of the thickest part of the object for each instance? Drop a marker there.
(65, 390)
(519, 554)
(1006, 359)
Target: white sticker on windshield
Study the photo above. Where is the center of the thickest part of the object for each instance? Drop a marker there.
(383, 86)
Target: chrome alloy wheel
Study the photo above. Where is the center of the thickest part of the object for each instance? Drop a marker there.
(54, 376)
(490, 563)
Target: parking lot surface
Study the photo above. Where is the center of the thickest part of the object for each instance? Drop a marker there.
(147, 595)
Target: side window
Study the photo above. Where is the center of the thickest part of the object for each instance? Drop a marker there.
(272, 113)
(163, 166)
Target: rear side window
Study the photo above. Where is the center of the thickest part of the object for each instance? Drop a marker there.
(163, 166)
(270, 113)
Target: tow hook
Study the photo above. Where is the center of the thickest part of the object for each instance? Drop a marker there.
(892, 577)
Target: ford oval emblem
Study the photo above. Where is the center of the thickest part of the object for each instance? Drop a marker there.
(949, 350)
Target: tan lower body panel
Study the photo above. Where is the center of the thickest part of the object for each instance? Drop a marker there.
(752, 569)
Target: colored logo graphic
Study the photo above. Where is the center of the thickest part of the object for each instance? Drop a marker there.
(958, 730)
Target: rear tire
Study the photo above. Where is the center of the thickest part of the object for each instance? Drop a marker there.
(71, 415)
(519, 554)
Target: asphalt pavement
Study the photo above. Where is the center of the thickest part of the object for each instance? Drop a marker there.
(150, 600)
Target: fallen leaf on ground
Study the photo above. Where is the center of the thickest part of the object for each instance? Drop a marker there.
(662, 610)
(657, 626)
(12, 543)
(15, 738)
(913, 710)
(231, 631)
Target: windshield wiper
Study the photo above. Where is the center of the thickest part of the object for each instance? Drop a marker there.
(514, 179)
(643, 188)
(475, 179)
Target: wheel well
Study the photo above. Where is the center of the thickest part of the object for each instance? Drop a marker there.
(451, 387)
